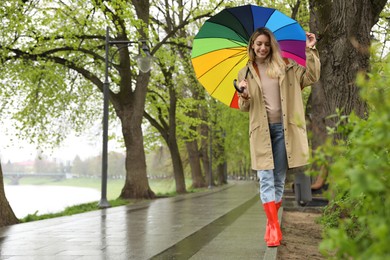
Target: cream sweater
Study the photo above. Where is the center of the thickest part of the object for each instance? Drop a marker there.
(271, 94)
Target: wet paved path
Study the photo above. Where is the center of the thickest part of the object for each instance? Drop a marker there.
(223, 223)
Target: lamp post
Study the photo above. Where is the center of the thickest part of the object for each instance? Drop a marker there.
(144, 63)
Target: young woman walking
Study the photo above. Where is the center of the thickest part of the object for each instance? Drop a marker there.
(271, 93)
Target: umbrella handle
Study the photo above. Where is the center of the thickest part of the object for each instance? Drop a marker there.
(239, 90)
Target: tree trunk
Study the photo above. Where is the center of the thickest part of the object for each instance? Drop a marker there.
(220, 156)
(194, 156)
(136, 184)
(344, 30)
(129, 106)
(131, 114)
(168, 131)
(205, 151)
(178, 170)
(7, 216)
(221, 177)
(177, 166)
(198, 180)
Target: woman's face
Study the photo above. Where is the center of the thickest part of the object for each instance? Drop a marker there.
(262, 47)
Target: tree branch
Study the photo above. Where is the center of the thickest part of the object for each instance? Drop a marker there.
(67, 48)
(154, 123)
(295, 9)
(69, 64)
(181, 26)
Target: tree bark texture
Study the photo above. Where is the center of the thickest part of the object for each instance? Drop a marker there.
(219, 155)
(7, 216)
(194, 154)
(129, 106)
(221, 177)
(177, 166)
(178, 170)
(343, 28)
(136, 183)
(166, 125)
(205, 146)
(198, 180)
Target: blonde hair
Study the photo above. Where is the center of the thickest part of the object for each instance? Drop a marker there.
(274, 60)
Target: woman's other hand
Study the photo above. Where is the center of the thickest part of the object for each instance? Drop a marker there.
(310, 39)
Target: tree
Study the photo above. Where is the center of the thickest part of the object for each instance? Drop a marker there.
(173, 84)
(235, 140)
(73, 46)
(129, 108)
(344, 31)
(7, 216)
(193, 136)
(60, 61)
(356, 223)
(165, 121)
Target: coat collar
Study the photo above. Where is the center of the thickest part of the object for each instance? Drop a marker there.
(252, 70)
(253, 73)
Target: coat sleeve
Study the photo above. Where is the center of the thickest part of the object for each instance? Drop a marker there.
(311, 73)
(243, 103)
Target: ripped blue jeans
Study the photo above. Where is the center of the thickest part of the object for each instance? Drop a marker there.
(272, 181)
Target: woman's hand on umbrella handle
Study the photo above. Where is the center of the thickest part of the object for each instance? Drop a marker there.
(243, 85)
(239, 89)
(310, 39)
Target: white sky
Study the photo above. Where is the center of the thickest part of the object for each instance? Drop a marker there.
(19, 150)
(16, 150)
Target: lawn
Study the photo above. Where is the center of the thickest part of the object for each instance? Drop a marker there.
(161, 187)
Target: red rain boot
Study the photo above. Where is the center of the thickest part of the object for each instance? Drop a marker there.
(266, 235)
(274, 228)
(278, 205)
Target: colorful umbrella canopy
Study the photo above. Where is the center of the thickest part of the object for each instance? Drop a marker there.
(219, 49)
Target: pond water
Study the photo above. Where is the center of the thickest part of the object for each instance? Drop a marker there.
(28, 199)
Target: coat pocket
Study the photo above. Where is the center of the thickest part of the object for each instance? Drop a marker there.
(297, 140)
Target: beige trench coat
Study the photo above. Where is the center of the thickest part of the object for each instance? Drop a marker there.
(295, 78)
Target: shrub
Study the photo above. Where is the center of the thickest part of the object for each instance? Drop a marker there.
(357, 220)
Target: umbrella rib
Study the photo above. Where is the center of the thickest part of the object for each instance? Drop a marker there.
(229, 39)
(227, 74)
(239, 35)
(293, 54)
(284, 26)
(291, 40)
(224, 38)
(252, 22)
(269, 17)
(232, 56)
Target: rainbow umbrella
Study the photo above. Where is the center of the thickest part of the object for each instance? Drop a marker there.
(219, 49)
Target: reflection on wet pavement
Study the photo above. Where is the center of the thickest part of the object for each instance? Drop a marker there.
(171, 228)
(193, 243)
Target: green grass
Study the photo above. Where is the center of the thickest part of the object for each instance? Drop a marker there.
(75, 210)
(114, 187)
(161, 187)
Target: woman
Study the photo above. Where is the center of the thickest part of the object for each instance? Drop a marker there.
(272, 95)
